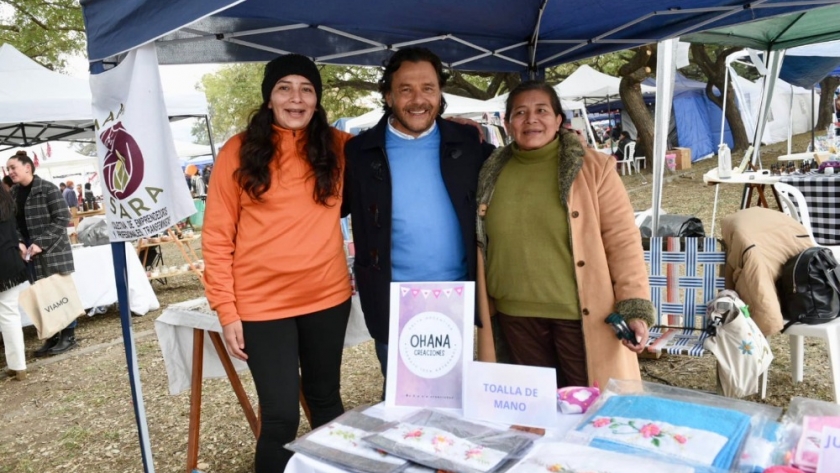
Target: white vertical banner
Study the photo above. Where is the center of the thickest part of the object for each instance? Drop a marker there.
(142, 182)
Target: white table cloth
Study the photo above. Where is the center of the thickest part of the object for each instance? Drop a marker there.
(300, 463)
(94, 278)
(175, 326)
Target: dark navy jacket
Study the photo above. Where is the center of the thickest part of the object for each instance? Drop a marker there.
(367, 196)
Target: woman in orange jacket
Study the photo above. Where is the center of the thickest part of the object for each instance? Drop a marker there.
(276, 273)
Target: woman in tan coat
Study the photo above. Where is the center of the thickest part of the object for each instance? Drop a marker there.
(562, 251)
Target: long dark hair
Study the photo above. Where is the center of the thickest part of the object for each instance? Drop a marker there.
(7, 204)
(258, 150)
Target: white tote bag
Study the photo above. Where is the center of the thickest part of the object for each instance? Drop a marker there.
(52, 303)
(742, 352)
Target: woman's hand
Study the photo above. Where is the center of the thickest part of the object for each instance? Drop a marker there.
(640, 328)
(22, 249)
(34, 250)
(234, 340)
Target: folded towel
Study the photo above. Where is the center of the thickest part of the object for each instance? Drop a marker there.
(698, 434)
(568, 457)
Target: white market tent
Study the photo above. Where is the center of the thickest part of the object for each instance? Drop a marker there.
(587, 83)
(38, 105)
(456, 106)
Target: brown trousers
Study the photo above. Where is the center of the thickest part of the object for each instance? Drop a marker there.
(551, 343)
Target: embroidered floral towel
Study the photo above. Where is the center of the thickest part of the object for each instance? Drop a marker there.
(339, 443)
(573, 458)
(447, 443)
(694, 433)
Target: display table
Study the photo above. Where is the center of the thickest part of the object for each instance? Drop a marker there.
(94, 278)
(822, 194)
(755, 180)
(300, 463)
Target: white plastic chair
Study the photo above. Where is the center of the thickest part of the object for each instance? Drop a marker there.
(627, 163)
(638, 159)
(830, 331)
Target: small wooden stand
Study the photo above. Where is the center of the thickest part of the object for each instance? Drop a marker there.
(758, 190)
(195, 392)
(184, 246)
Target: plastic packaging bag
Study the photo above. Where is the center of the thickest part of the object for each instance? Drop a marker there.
(570, 457)
(93, 231)
(339, 443)
(681, 426)
(443, 442)
(802, 425)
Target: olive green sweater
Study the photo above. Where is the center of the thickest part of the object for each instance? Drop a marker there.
(530, 268)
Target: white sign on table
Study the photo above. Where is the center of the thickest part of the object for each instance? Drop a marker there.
(511, 394)
(829, 451)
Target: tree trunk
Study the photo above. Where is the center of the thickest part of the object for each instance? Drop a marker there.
(632, 74)
(715, 72)
(827, 88)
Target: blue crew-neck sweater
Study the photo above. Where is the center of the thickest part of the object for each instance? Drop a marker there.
(426, 240)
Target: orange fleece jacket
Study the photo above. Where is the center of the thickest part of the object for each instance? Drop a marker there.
(279, 258)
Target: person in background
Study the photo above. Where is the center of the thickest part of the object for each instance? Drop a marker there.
(562, 248)
(205, 174)
(623, 141)
(42, 216)
(80, 196)
(7, 182)
(12, 277)
(90, 199)
(199, 190)
(69, 196)
(61, 187)
(276, 273)
(410, 187)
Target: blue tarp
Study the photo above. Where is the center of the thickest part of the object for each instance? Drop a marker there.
(697, 118)
(486, 35)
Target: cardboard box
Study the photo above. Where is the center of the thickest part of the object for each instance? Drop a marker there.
(683, 157)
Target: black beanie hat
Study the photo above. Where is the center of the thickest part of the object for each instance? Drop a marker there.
(290, 64)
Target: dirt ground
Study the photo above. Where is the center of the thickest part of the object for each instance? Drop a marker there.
(74, 412)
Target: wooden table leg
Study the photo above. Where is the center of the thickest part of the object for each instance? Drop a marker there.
(762, 199)
(236, 383)
(195, 399)
(305, 405)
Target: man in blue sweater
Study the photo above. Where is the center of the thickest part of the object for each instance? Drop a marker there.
(410, 185)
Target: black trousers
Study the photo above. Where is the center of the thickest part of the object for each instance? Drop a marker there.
(275, 349)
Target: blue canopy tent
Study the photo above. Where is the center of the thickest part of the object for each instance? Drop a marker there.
(479, 35)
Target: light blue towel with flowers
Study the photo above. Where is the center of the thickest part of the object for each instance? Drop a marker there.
(706, 437)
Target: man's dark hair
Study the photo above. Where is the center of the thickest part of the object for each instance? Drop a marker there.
(413, 54)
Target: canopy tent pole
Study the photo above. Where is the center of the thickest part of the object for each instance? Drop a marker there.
(773, 65)
(121, 276)
(723, 107)
(790, 121)
(813, 125)
(210, 136)
(666, 55)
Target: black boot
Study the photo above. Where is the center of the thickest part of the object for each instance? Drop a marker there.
(47, 346)
(66, 341)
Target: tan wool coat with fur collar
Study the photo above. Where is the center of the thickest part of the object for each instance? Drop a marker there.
(606, 247)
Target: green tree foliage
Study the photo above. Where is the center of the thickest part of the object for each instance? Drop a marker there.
(45, 30)
(234, 92)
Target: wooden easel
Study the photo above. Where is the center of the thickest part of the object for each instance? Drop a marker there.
(758, 190)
